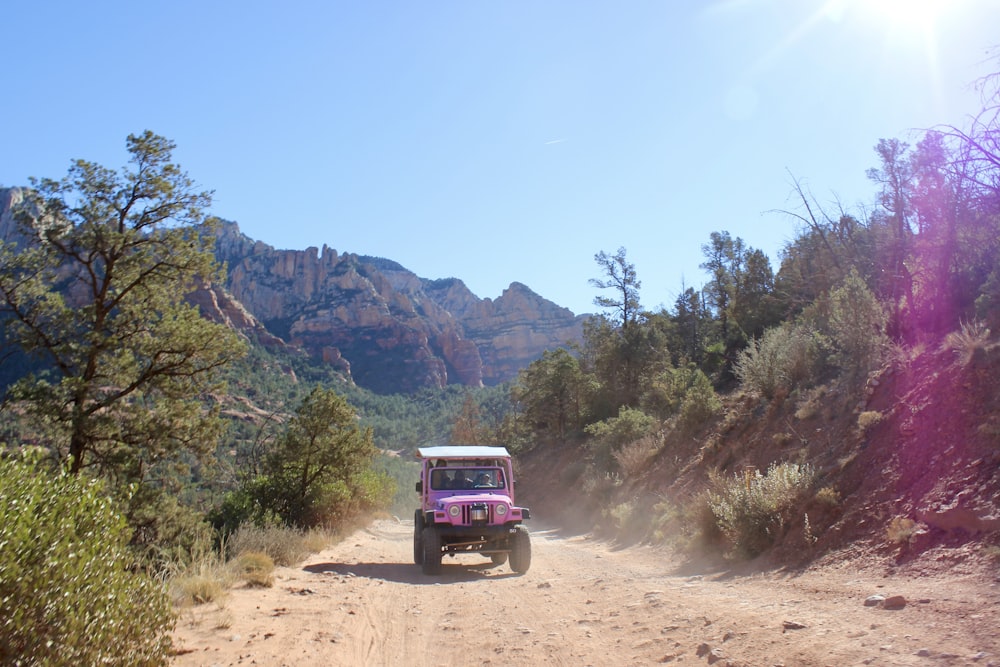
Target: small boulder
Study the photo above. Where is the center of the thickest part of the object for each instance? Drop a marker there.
(894, 602)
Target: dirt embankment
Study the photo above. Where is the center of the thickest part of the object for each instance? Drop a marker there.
(584, 602)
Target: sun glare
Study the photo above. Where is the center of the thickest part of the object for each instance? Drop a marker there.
(898, 16)
(908, 14)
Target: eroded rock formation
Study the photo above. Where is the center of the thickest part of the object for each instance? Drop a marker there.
(395, 331)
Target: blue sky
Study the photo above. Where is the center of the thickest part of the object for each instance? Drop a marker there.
(497, 141)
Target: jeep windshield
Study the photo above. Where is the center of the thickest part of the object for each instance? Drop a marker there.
(467, 478)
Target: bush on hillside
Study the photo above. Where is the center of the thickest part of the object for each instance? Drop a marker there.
(868, 419)
(319, 472)
(683, 391)
(751, 509)
(784, 358)
(988, 301)
(969, 342)
(69, 594)
(634, 457)
(610, 435)
(700, 403)
(857, 327)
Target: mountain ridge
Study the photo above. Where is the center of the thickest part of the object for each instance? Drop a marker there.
(387, 328)
(371, 318)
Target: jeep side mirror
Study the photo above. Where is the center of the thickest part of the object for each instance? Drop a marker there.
(420, 487)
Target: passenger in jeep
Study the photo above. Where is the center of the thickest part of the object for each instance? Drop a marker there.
(462, 480)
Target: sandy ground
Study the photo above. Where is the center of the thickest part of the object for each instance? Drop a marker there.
(583, 602)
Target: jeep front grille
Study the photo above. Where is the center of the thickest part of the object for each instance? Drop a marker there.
(477, 513)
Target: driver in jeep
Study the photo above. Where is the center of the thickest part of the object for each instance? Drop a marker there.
(461, 480)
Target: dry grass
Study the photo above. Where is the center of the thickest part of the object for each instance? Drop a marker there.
(969, 342)
(285, 546)
(634, 457)
(812, 403)
(868, 419)
(254, 552)
(256, 568)
(689, 526)
(901, 530)
(782, 439)
(208, 580)
(223, 622)
(828, 496)
(628, 519)
(314, 541)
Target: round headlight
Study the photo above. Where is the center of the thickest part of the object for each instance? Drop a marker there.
(454, 510)
(501, 510)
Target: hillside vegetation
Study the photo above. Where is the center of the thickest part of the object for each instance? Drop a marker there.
(845, 403)
(899, 470)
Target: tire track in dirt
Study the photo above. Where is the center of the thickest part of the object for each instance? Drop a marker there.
(363, 602)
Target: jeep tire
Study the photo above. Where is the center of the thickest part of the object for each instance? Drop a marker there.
(431, 540)
(520, 550)
(418, 530)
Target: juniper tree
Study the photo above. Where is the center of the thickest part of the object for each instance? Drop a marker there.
(95, 290)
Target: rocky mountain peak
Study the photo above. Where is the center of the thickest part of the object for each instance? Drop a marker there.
(393, 330)
(374, 320)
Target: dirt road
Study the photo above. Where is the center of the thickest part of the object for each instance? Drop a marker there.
(582, 602)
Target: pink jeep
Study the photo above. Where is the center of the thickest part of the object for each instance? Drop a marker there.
(467, 505)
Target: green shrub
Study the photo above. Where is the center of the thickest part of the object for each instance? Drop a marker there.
(69, 594)
(700, 403)
(165, 530)
(685, 392)
(630, 425)
(782, 359)
(988, 301)
(610, 435)
(857, 327)
(600, 487)
(665, 519)
(622, 516)
(751, 509)
(404, 473)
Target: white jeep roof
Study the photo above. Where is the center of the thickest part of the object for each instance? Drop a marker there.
(462, 452)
